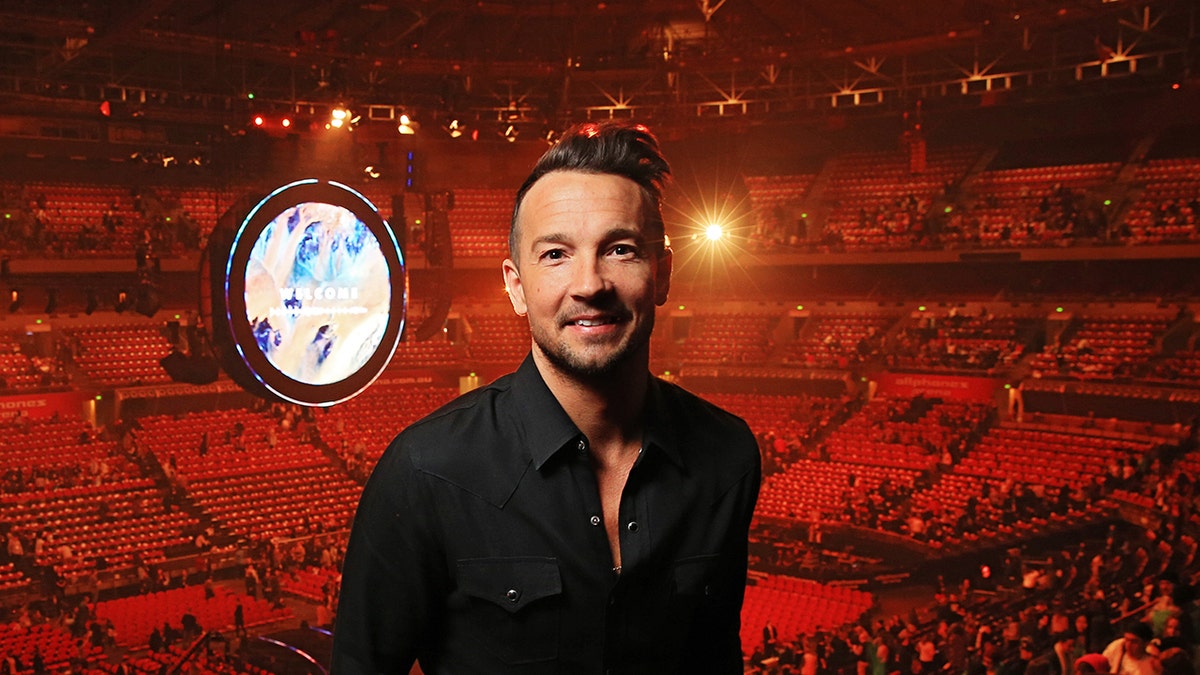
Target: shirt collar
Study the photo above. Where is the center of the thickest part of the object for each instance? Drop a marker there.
(549, 429)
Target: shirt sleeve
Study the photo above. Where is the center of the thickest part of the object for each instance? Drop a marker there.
(391, 575)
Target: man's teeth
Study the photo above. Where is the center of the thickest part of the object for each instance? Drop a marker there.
(592, 322)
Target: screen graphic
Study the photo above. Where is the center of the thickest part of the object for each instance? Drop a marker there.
(316, 292)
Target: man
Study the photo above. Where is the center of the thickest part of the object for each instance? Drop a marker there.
(1019, 662)
(579, 515)
(1057, 661)
(1127, 654)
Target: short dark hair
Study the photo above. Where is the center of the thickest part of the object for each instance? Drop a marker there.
(611, 147)
(1141, 630)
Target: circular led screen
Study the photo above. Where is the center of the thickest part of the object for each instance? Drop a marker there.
(316, 292)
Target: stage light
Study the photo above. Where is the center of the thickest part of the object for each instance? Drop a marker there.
(339, 118)
(510, 134)
(371, 171)
(285, 122)
(714, 232)
(799, 308)
(454, 129)
(259, 120)
(921, 308)
(406, 127)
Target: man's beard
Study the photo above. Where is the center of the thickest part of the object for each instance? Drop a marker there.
(572, 362)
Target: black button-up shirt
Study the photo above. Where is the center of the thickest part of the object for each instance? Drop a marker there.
(479, 546)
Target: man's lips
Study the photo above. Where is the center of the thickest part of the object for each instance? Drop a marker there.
(595, 320)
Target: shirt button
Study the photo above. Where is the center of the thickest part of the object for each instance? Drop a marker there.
(582, 445)
(594, 520)
(632, 526)
(512, 595)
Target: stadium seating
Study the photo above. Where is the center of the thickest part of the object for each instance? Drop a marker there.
(252, 486)
(123, 354)
(137, 616)
(737, 338)
(797, 607)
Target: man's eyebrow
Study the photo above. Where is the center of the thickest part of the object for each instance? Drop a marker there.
(612, 234)
(551, 238)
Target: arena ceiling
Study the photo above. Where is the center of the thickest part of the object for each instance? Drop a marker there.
(543, 61)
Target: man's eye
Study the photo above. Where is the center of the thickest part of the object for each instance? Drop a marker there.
(624, 250)
(553, 254)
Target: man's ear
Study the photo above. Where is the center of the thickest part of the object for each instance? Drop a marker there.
(662, 278)
(513, 287)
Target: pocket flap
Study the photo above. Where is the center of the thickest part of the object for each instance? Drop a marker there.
(510, 583)
(692, 575)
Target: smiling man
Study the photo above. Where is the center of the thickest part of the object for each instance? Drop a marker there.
(578, 515)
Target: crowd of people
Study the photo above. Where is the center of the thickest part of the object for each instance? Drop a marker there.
(1126, 606)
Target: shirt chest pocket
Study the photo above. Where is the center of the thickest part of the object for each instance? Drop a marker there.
(513, 606)
(705, 579)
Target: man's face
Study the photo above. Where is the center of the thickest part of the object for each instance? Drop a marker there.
(588, 277)
(1135, 645)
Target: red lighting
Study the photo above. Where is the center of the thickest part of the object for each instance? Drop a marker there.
(106, 109)
(258, 120)
(286, 122)
(1175, 86)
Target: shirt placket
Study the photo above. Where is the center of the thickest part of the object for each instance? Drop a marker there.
(634, 528)
(632, 536)
(589, 492)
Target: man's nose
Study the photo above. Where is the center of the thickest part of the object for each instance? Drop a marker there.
(589, 277)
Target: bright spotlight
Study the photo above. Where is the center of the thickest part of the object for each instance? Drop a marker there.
(338, 118)
(406, 127)
(714, 232)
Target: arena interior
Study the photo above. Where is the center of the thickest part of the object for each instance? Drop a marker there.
(943, 256)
